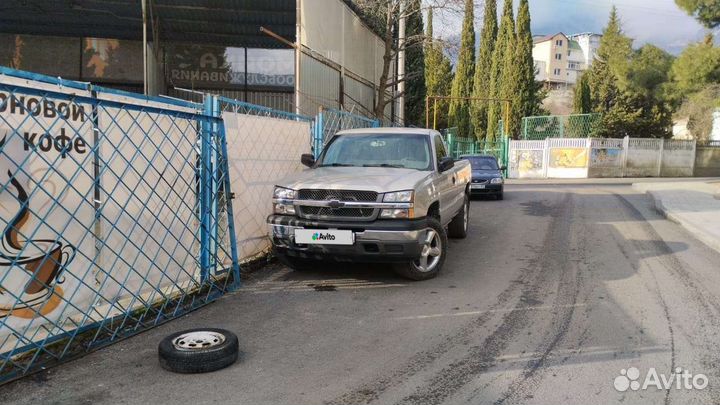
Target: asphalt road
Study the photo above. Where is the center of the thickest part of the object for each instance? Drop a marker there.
(554, 292)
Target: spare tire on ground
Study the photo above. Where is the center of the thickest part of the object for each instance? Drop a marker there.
(198, 350)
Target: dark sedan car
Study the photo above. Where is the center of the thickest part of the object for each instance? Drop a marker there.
(487, 178)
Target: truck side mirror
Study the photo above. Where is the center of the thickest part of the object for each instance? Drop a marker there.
(446, 163)
(503, 168)
(307, 159)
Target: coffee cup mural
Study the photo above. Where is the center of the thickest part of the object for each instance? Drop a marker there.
(31, 270)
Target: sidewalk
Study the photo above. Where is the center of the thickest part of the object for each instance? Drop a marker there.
(692, 204)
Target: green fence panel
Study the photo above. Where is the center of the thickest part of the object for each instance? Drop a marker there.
(559, 126)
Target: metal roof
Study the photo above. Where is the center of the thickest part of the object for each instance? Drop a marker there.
(218, 22)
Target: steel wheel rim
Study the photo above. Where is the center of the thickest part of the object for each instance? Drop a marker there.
(431, 252)
(201, 339)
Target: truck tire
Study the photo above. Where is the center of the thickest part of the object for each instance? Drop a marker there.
(198, 350)
(433, 255)
(457, 228)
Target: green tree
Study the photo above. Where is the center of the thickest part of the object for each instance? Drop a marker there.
(696, 67)
(698, 108)
(415, 67)
(503, 44)
(462, 85)
(582, 103)
(483, 66)
(705, 11)
(649, 71)
(524, 92)
(625, 110)
(438, 74)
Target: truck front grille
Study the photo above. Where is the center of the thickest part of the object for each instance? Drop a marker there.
(342, 195)
(327, 213)
(341, 212)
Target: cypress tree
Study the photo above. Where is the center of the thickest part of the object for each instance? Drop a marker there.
(581, 100)
(438, 74)
(525, 101)
(608, 81)
(415, 67)
(462, 85)
(504, 44)
(483, 66)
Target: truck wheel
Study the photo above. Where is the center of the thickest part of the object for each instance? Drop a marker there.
(457, 229)
(432, 257)
(198, 350)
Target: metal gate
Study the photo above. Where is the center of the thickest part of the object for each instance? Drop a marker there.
(109, 207)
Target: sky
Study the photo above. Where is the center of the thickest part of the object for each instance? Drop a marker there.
(659, 22)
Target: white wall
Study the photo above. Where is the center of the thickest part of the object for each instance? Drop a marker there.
(261, 151)
(595, 157)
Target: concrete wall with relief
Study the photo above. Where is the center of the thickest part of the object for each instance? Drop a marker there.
(707, 162)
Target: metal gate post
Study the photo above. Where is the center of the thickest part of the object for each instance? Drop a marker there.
(206, 180)
(229, 207)
(319, 131)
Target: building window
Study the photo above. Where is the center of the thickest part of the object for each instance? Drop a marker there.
(558, 42)
(557, 72)
(558, 56)
(568, 52)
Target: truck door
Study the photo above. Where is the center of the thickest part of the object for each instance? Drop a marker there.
(445, 182)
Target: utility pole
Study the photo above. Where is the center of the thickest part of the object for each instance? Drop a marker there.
(145, 45)
(401, 61)
(298, 53)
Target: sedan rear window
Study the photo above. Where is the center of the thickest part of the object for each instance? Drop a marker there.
(483, 163)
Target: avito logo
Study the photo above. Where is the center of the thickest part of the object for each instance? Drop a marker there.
(323, 236)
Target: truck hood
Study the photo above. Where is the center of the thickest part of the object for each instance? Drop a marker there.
(378, 179)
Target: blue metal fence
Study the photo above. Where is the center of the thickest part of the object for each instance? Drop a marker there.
(329, 121)
(111, 219)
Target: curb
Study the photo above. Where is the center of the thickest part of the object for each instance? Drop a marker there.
(706, 238)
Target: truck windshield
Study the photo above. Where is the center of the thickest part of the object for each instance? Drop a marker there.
(378, 150)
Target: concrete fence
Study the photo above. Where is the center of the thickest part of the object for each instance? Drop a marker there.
(596, 157)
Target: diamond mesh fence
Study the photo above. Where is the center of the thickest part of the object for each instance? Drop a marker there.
(559, 126)
(459, 146)
(330, 121)
(109, 222)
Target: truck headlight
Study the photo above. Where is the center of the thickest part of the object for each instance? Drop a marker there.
(284, 193)
(282, 208)
(407, 196)
(399, 196)
(496, 180)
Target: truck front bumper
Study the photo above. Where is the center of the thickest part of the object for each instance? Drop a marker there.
(376, 241)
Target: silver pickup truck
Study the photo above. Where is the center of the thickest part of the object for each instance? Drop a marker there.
(373, 195)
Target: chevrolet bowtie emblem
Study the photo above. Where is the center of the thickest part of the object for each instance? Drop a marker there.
(336, 204)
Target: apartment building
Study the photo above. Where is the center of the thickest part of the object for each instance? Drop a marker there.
(560, 60)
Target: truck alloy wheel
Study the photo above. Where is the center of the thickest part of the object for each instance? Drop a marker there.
(432, 254)
(198, 350)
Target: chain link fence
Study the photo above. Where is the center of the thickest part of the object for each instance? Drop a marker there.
(559, 126)
(330, 121)
(459, 146)
(109, 222)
